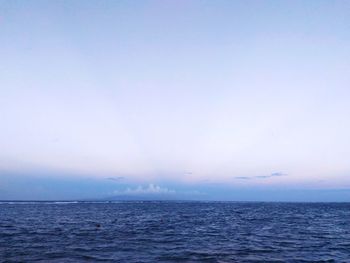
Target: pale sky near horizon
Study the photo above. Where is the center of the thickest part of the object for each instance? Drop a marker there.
(241, 93)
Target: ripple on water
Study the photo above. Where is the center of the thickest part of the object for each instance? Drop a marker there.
(174, 231)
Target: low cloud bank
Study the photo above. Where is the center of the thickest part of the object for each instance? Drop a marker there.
(275, 174)
(140, 190)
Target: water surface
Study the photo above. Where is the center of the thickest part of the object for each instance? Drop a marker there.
(174, 232)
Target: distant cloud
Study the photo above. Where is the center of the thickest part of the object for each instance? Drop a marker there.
(119, 178)
(275, 174)
(278, 174)
(262, 176)
(243, 177)
(150, 189)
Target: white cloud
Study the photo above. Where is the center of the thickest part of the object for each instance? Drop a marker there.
(150, 189)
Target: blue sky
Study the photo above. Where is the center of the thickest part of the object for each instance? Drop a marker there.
(195, 99)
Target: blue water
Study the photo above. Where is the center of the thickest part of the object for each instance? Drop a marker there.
(174, 232)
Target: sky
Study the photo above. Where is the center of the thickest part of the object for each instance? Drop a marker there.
(208, 100)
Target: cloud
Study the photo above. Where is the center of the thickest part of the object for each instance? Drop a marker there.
(150, 189)
(119, 178)
(278, 174)
(243, 177)
(275, 174)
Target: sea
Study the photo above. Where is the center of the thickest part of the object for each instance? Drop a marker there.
(171, 231)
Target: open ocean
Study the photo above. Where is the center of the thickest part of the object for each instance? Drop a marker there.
(174, 232)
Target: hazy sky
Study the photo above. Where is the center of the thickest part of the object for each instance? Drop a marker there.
(174, 97)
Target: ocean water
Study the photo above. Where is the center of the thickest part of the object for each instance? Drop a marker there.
(174, 232)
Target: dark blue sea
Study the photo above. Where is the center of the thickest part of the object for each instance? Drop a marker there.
(174, 232)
